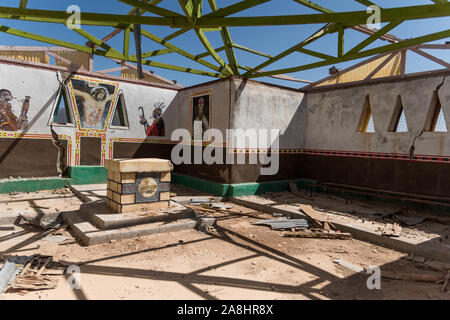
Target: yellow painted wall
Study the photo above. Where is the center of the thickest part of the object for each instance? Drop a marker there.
(392, 68)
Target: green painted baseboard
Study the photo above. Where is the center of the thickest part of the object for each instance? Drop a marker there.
(87, 174)
(246, 189)
(237, 190)
(77, 175)
(32, 185)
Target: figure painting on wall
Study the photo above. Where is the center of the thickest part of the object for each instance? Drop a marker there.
(157, 129)
(8, 120)
(93, 102)
(200, 116)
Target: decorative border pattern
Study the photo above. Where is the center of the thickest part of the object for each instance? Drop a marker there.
(349, 154)
(78, 136)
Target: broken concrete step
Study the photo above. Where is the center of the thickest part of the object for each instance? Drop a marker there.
(102, 217)
(89, 235)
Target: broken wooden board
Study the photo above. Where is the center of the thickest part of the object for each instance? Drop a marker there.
(33, 276)
(416, 277)
(319, 234)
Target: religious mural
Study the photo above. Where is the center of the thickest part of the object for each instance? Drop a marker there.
(9, 121)
(200, 116)
(157, 128)
(93, 102)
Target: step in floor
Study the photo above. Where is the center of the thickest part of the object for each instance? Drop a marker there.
(87, 234)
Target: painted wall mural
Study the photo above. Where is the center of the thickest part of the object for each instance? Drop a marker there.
(8, 119)
(157, 128)
(94, 102)
(201, 114)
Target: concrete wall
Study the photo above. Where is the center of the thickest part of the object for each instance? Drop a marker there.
(330, 119)
(19, 149)
(29, 151)
(319, 137)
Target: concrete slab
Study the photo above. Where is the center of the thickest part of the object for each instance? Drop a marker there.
(436, 251)
(102, 217)
(90, 192)
(89, 235)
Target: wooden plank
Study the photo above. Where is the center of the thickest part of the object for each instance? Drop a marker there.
(319, 234)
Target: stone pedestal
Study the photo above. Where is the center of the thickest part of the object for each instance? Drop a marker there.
(138, 185)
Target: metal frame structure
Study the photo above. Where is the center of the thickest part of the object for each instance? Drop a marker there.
(219, 20)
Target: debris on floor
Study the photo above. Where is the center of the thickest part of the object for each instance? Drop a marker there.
(34, 276)
(319, 233)
(12, 267)
(391, 230)
(349, 265)
(197, 201)
(284, 224)
(415, 277)
(45, 222)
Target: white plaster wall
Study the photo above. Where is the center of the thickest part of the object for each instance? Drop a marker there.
(259, 106)
(219, 105)
(330, 119)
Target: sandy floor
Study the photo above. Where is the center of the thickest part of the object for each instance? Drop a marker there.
(236, 260)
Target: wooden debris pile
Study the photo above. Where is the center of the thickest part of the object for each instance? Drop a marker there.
(322, 228)
(38, 274)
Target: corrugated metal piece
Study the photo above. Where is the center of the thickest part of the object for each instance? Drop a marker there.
(281, 224)
(12, 267)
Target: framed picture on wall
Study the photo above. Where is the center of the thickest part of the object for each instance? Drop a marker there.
(201, 114)
(93, 102)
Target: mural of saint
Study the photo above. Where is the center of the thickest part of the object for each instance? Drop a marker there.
(8, 120)
(93, 102)
(157, 128)
(200, 116)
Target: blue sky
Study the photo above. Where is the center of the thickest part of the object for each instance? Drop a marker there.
(271, 40)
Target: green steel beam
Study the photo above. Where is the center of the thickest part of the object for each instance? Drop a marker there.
(118, 30)
(387, 48)
(154, 53)
(317, 35)
(126, 42)
(23, 4)
(151, 8)
(111, 54)
(108, 49)
(259, 53)
(179, 50)
(340, 46)
(314, 6)
(235, 8)
(366, 3)
(176, 34)
(375, 36)
(32, 36)
(207, 53)
(315, 54)
(193, 12)
(226, 38)
(345, 18)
